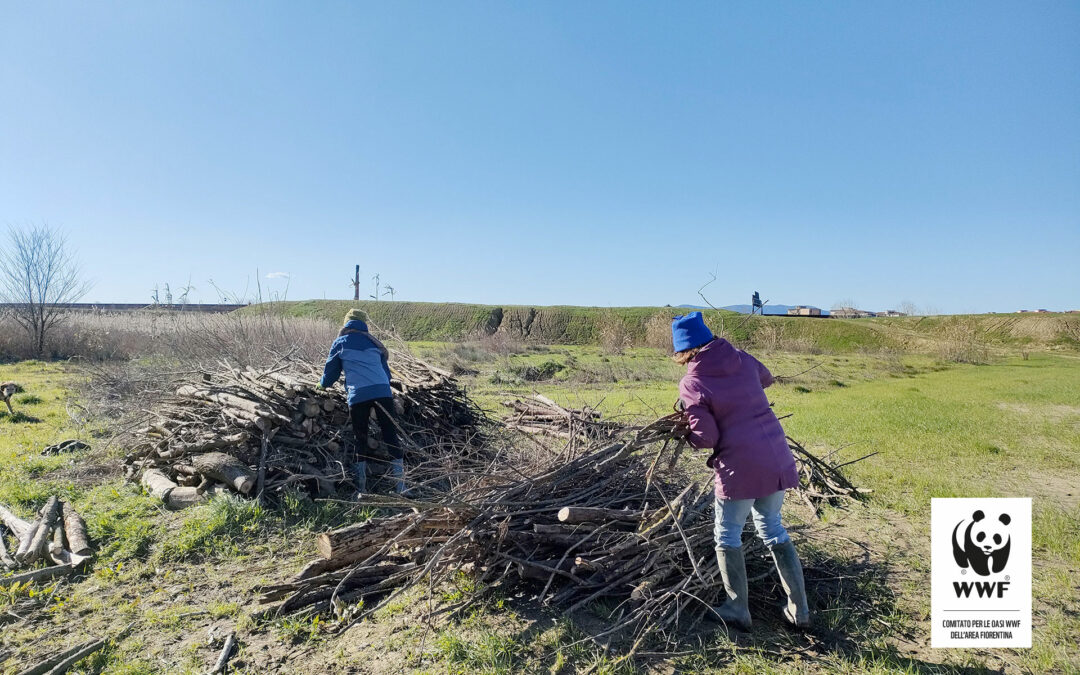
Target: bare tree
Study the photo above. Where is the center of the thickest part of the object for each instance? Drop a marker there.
(38, 276)
(908, 307)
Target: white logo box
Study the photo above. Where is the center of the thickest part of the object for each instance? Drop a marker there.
(980, 572)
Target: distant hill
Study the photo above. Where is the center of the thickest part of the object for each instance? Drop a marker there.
(651, 326)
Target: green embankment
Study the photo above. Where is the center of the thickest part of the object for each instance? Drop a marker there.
(648, 326)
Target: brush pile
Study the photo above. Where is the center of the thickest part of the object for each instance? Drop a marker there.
(538, 414)
(256, 432)
(623, 523)
(57, 535)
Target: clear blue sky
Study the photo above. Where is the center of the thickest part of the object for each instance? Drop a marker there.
(596, 153)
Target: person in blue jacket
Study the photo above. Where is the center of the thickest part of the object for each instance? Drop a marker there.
(367, 385)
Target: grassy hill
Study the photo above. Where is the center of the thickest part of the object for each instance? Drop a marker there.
(649, 326)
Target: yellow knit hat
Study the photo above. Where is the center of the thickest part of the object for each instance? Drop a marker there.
(356, 315)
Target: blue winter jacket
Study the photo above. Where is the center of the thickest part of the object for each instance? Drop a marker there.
(363, 358)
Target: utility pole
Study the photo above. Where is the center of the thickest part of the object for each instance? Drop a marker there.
(356, 285)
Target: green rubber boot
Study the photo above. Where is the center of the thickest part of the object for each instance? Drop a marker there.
(736, 611)
(796, 610)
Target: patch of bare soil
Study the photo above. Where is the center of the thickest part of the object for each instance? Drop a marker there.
(1059, 489)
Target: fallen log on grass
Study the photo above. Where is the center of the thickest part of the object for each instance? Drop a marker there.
(75, 531)
(40, 574)
(44, 539)
(225, 468)
(174, 497)
(37, 544)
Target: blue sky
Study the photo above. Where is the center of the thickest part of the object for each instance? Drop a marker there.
(597, 153)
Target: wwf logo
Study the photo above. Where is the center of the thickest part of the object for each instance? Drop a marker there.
(981, 543)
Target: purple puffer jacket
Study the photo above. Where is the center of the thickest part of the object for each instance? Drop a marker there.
(724, 395)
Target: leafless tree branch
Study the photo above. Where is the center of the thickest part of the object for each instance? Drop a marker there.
(38, 276)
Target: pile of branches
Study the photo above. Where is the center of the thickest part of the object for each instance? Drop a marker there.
(538, 414)
(624, 522)
(56, 535)
(256, 432)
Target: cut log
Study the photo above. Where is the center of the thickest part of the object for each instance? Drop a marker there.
(39, 543)
(157, 484)
(227, 469)
(230, 440)
(354, 538)
(38, 574)
(228, 400)
(24, 544)
(56, 546)
(180, 498)
(574, 515)
(17, 525)
(75, 531)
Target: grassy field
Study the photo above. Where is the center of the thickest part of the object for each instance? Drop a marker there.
(1009, 428)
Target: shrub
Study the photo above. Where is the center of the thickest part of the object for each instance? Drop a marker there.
(962, 343)
(613, 334)
(658, 332)
(537, 373)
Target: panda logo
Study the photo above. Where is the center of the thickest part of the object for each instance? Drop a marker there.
(981, 543)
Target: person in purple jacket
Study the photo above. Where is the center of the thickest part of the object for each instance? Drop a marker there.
(723, 393)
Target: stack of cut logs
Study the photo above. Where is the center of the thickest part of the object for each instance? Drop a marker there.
(538, 414)
(259, 432)
(57, 534)
(623, 521)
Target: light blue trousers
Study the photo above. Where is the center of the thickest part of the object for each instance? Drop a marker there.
(731, 517)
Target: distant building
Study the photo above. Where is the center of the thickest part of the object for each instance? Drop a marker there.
(1022, 311)
(802, 310)
(850, 313)
(1042, 311)
(891, 312)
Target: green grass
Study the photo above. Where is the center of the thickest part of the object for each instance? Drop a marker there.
(997, 428)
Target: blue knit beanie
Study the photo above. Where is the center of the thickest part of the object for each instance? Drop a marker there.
(689, 331)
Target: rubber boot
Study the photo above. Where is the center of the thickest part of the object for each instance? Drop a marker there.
(736, 610)
(796, 610)
(359, 472)
(397, 472)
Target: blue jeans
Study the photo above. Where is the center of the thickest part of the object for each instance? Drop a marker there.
(731, 517)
